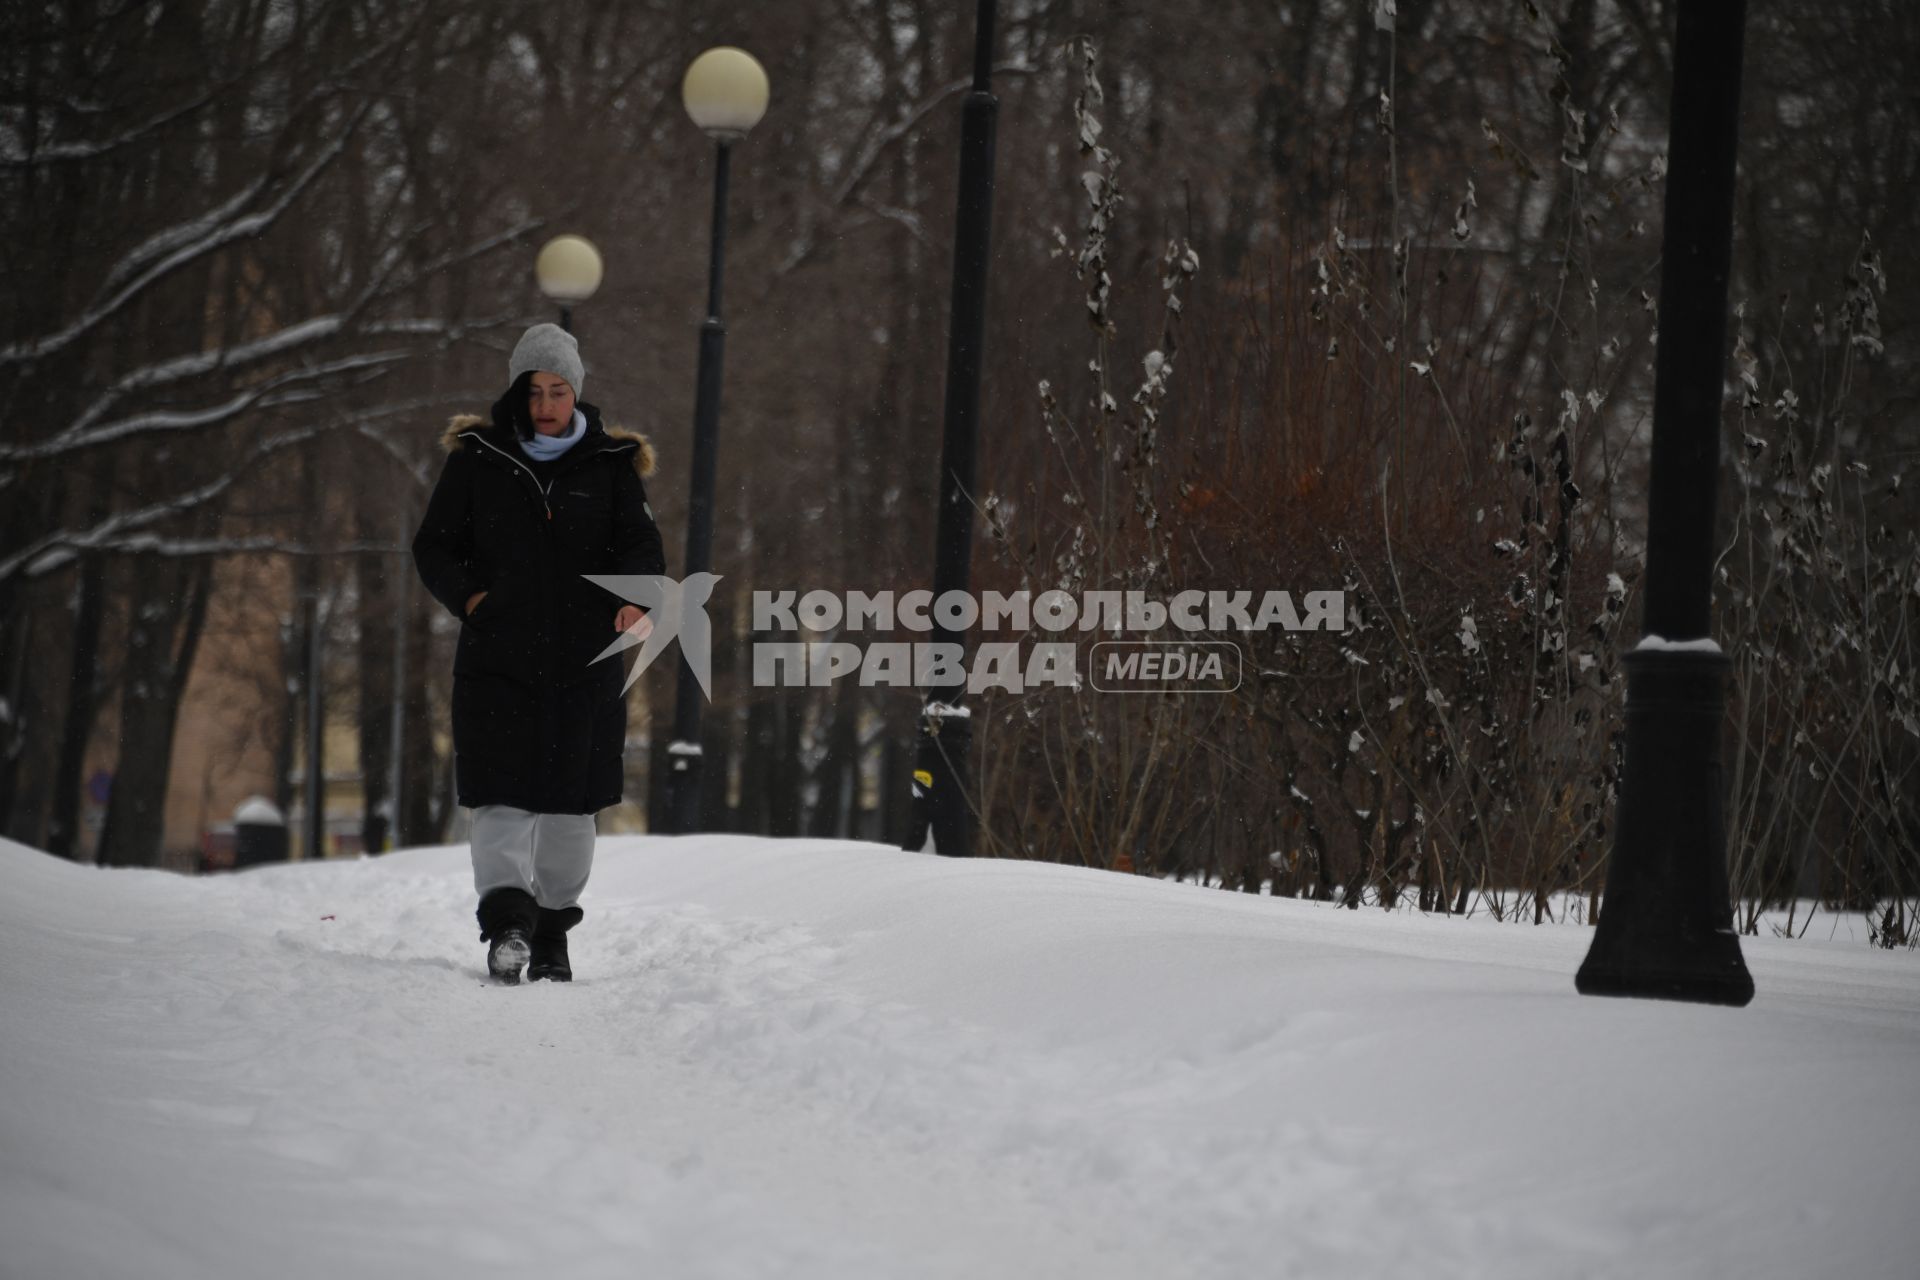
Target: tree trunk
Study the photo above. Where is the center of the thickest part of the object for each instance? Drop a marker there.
(832, 810)
(756, 779)
(16, 638)
(287, 694)
(770, 793)
(659, 762)
(161, 643)
(83, 704)
(785, 799)
(374, 574)
(18, 631)
(421, 769)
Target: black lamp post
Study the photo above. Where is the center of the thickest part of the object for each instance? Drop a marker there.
(569, 270)
(942, 822)
(1666, 922)
(725, 91)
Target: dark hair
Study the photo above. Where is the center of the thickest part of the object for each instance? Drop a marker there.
(517, 412)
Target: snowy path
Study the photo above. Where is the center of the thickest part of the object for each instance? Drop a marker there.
(811, 1058)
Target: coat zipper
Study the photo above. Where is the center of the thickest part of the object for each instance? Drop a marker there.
(546, 490)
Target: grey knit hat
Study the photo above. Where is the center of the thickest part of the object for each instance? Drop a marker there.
(547, 348)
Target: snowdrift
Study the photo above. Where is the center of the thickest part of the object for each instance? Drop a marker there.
(824, 1059)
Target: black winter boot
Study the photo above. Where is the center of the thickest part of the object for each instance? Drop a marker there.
(550, 944)
(507, 921)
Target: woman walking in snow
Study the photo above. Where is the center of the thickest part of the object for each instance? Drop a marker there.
(527, 503)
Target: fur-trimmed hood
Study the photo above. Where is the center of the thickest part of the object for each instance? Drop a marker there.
(643, 457)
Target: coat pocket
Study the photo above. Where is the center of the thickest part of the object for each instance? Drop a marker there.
(489, 642)
(487, 612)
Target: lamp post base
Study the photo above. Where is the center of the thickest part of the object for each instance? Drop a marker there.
(1666, 922)
(1726, 982)
(942, 823)
(683, 787)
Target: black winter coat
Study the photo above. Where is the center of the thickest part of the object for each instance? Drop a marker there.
(536, 723)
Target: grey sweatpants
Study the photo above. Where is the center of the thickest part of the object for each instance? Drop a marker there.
(546, 854)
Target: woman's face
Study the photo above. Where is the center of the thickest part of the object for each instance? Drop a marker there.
(550, 404)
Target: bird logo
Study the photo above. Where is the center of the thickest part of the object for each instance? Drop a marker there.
(677, 609)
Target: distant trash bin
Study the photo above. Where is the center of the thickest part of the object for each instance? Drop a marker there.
(259, 833)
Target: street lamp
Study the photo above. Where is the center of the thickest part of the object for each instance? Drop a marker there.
(569, 270)
(941, 821)
(1666, 923)
(725, 93)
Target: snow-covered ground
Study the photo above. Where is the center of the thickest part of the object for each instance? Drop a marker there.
(821, 1059)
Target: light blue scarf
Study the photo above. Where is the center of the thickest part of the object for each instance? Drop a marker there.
(547, 448)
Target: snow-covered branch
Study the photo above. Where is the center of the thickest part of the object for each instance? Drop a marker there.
(160, 544)
(170, 250)
(271, 392)
(14, 154)
(281, 344)
(49, 552)
(286, 341)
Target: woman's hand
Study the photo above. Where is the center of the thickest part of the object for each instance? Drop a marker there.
(473, 601)
(630, 618)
